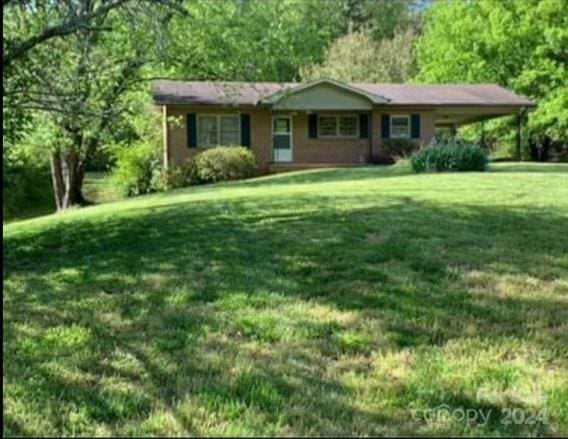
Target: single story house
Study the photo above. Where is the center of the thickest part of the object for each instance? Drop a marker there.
(319, 122)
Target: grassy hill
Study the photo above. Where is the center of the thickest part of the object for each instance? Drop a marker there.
(323, 302)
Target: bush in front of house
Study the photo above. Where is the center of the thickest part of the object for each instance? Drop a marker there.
(223, 163)
(172, 177)
(135, 167)
(397, 149)
(449, 156)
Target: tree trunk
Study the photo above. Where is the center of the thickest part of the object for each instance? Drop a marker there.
(67, 174)
(545, 149)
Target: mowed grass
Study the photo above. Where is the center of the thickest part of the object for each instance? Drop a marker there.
(328, 302)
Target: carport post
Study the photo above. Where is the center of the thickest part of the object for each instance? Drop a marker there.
(518, 139)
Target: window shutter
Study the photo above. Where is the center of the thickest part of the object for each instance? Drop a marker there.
(191, 124)
(245, 130)
(313, 126)
(364, 125)
(385, 126)
(415, 126)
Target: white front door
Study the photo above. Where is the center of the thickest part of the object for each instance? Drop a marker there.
(282, 139)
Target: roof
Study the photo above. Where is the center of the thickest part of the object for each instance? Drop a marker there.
(255, 93)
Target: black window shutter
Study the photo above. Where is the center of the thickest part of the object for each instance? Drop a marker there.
(245, 130)
(385, 126)
(313, 126)
(364, 125)
(415, 126)
(191, 124)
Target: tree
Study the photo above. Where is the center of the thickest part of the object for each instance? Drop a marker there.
(59, 19)
(522, 45)
(383, 18)
(252, 40)
(77, 87)
(357, 57)
(29, 27)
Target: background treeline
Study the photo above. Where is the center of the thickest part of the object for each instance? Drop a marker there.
(76, 72)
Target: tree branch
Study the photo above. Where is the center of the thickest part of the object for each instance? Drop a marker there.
(19, 48)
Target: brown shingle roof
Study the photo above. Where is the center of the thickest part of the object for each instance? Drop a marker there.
(214, 93)
(252, 93)
(445, 94)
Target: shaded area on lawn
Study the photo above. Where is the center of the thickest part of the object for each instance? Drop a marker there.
(279, 316)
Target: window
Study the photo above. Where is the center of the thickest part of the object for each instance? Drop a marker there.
(400, 127)
(281, 125)
(327, 126)
(348, 126)
(338, 126)
(218, 130)
(230, 131)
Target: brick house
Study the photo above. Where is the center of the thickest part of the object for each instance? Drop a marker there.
(317, 123)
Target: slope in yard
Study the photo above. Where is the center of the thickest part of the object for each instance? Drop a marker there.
(324, 303)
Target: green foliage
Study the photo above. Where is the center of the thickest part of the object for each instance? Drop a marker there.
(223, 163)
(250, 41)
(354, 58)
(136, 166)
(26, 187)
(450, 156)
(518, 44)
(172, 177)
(26, 184)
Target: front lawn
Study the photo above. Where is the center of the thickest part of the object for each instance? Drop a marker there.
(328, 302)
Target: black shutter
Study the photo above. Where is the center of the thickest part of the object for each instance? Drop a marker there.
(191, 124)
(385, 126)
(415, 126)
(313, 126)
(364, 125)
(245, 130)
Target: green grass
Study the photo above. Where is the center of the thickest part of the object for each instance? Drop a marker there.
(323, 302)
(97, 188)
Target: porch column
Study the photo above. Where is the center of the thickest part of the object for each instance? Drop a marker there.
(518, 139)
(165, 135)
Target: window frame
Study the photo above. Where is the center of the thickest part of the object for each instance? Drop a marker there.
(407, 135)
(218, 116)
(337, 134)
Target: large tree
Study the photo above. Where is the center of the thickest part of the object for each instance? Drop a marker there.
(521, 44)
(76, 86)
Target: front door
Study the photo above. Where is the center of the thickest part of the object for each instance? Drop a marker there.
(282, 139)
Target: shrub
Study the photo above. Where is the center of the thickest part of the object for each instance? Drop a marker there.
(26, 180)
(171, 178)
(450, 156)
(135, 166)
(26, 189)
(397, 149)
(223, 163)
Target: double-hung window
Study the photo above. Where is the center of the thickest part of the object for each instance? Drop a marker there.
(338, 126)
(215, 130)
(400, 127)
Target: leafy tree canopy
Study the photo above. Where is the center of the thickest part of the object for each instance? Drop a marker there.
(522, 45)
